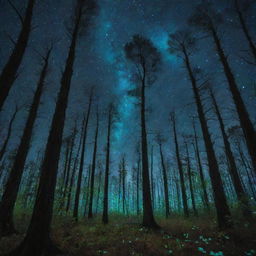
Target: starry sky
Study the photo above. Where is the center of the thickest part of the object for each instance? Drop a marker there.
(101, 62)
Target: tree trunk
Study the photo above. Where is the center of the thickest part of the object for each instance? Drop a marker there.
(93, 166)
(166, 193)
(245, 30)
(87, 189)
(106, 181)
(222, 209)
(148, 217)
(81, 166)
(240, 193)
(182, 182)
(191, 182)
(245, 122)
(12, 187)
(69, 163)
(152, 175)
(72, 179)
(123, 184)
(99, 186)
(201, 173)
(3, 148)
(9, 72)
(37, 241)
(138, 185)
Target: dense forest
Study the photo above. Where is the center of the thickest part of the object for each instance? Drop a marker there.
(127, 127)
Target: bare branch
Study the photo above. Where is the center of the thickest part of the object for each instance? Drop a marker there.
(16, 11)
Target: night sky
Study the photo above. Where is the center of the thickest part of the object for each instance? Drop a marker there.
(101, 62)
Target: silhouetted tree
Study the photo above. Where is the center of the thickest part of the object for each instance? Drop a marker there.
(165, 179)
(81, 165)
(240, 193)
(37, 241)
(145, 56)
(94, 165)
(182, 43)
(201, 173)
(12, 187)
(66, 180)
(9, 72)
(110, 120)
(180, 168)
(9, 132)
(208, 20)
(76, 160)
(152, 175)
(241, 7)
(190, 180)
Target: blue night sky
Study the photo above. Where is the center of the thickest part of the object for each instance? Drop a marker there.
(101, 62)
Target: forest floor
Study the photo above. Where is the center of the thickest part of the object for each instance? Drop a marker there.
(124, 236)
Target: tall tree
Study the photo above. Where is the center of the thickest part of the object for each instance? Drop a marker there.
(93, 165)
(9, 72)
(110, 120)
(123, 178)
(183, 43)
(151, 174)
(180, 168)
(240, 193)
(200, 167)
(145, 56)
(12, 187)
(190, 180)
(165, 179)
(241, 7)
(66, 180)
(74, 168)
(99, 185)
(81, 165)
(37, 241)
(208, 20)
(9, 132)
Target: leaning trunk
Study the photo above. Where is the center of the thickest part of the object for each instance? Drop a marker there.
(37, 241)
(240, 193)
(245, 122)
(12, 187)
(9, 72)
(81, 166)
(222, 209)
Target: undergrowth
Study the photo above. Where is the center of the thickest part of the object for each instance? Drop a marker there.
(124, 236)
